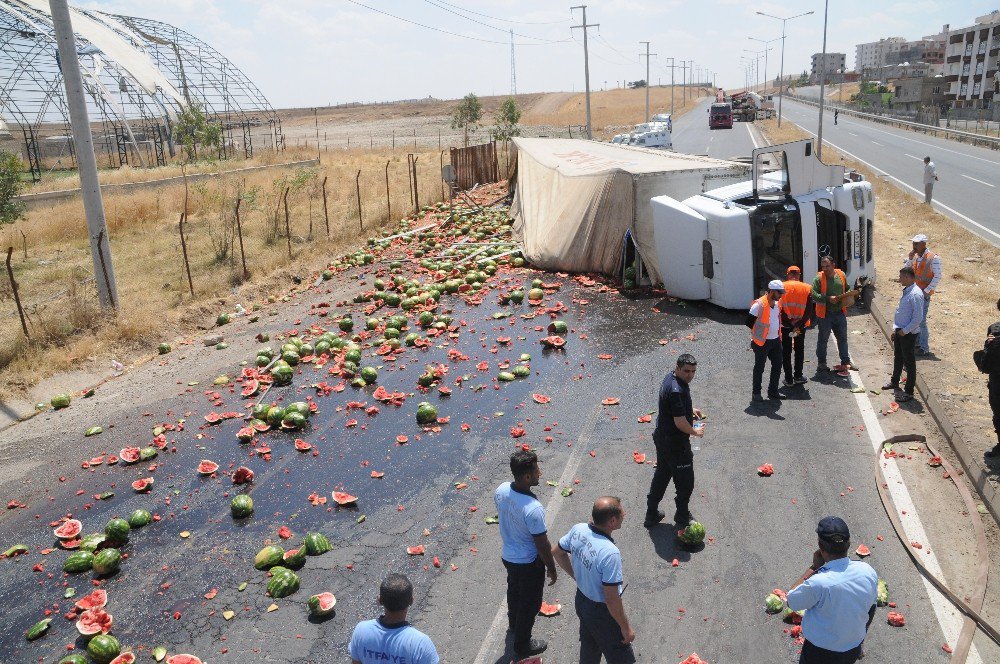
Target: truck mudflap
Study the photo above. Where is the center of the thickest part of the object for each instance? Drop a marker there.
(680, 234)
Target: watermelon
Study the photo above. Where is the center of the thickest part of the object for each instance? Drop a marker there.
(316, 544)
(302, 446)
(223, 319)
(183, 659)
(295, 558)
(38, 629)
(549, 609)
(95, 600)
(282, 374)
(517, 296)
(895, 619)
(269, 556)
(321, 605)
(164, 348)
(117, 530)
(521, 371)
(346, 324)
(283, 585)
(207, 467)
(139, 518)
(94, 621)
(242, 475)
(558, 327)
(773, 604)
(863, 551)
(246, 434)
(342, 498)
(106, 561)
(74, 659)
(505, 377)
(103, 648)
(369, 375)
(142, 484)
(693, 534)
(293, 421)
(129, 454)
(418, 550)
(882, 595)
(250, 387)
(148, 453)
(124, 658)
(541, 398)
(60, 401)
(535, 295)
(426, 413)
(553, 341)
(70, 529)
(241, 506)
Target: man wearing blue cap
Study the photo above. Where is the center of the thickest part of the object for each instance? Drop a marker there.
(838, 596)
(764, 321)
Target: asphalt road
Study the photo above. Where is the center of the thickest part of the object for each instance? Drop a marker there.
(692, 135)
(969, 176)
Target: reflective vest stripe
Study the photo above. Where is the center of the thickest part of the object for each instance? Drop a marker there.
(763, 324)
(795, 299)
(922, 269)
(821, 307)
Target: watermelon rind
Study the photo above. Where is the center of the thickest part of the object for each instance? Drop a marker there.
(322, 605)
(317, 544)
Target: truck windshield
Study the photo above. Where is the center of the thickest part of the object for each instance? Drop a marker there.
(771, 175)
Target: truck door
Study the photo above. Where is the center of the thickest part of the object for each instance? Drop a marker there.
(831, 231)
(775, 240)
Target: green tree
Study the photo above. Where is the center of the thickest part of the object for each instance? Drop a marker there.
(505, 121)
(467, 115)
(11, 167)
(641, 83)
(192, 129)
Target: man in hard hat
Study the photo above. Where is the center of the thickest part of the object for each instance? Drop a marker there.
(764, 321)
(927, 268)
(797, 308)
(828, 289)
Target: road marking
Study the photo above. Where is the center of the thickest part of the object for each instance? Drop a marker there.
(911, 188)
(948, 617)
(912, 156)
(752, 139)
(852, 133)
(975, 180)
(877, 143)
(497, 629)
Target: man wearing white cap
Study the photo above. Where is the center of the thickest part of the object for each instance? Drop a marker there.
(927, 268)
(930, 177)
(764, 322)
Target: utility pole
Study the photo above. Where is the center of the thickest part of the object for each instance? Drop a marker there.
(671, 88)
(822, 86)
(513, 69)
(646, 54)
(586, 60)
(781, 75)
(86, 159)
(684, 82)
(691, 76)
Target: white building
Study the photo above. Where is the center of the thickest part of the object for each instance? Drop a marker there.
(832, 65)
(972, 63)
(873, 55)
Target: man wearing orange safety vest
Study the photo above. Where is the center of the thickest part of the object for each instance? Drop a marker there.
(828, 289)
(764, 321)
(797, 308)
(927, 268)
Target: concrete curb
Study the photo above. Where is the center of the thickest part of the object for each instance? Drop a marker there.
(974, 470)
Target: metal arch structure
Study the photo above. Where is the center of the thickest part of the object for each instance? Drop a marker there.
(138, 73)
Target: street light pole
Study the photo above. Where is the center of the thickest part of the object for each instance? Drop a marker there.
(781, 76)
(822, 85)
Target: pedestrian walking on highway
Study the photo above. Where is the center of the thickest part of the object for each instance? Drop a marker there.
(836, 115)
(838, 597)
(589, 555)
(990, 365)
(927, 268)
(527, 553)
(905, 325)
(672, 437)
(390, 638)
(764, 321)
(797, 309)
(930, 177)
(828, 289)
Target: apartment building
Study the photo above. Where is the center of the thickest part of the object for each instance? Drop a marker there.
(972, 63)
(830, 64)
(870, 57)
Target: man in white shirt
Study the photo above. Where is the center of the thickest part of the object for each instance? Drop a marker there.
(930, 177)
(764, 321)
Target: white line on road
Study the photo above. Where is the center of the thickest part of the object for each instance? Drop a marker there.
(912, 156)
(752, 139)
(969, 177)
(487, 652)
(877, 143)
(911, 188)
(852, 133)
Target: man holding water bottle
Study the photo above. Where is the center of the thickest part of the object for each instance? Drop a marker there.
(672, 437)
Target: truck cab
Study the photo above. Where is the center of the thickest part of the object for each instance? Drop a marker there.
(726, 244)
(720, 116)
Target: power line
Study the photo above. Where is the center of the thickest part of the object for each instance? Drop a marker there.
(441, 30)
(469, 18)
(503, 20)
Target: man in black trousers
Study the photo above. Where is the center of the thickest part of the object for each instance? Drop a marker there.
(991, 367)
(672, 437)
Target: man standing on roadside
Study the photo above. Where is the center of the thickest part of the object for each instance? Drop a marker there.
(930, 177)
(389, 638)
(797, 309)
(589, 555)
(838, 597)
(927, 268)
(526, 554)
(672, 438)
(905, 326)
(991, 367)
(764, 321)
(828, 288)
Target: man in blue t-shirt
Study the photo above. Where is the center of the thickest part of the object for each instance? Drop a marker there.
(389, 638)
(527, 554)
(838, 596)
(589, 555)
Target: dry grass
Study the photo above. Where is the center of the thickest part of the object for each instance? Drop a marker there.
(66, 322)
(849, 89)
(612, 111)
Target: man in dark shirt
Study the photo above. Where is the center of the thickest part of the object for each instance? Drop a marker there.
(672, 437)
(992, 369)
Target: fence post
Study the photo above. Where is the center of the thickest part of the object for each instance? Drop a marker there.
(288, 230)
(414, 139)
(184, 250)
(17, 297)
(326, 215)
(239, 232)
(357, 184)
(388, 201)
(442, 173)
(393, 139)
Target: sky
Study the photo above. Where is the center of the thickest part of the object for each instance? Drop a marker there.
(304, 53)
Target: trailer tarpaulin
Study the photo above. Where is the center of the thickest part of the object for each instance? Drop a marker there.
(574, 199)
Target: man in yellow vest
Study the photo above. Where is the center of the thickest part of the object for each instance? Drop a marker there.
(828, 289)
(764, 321)
(927, 268)
(797, 308)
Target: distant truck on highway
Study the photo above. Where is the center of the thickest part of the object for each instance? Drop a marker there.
(720, 116)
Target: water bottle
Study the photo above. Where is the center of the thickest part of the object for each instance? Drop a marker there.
(697, 445)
